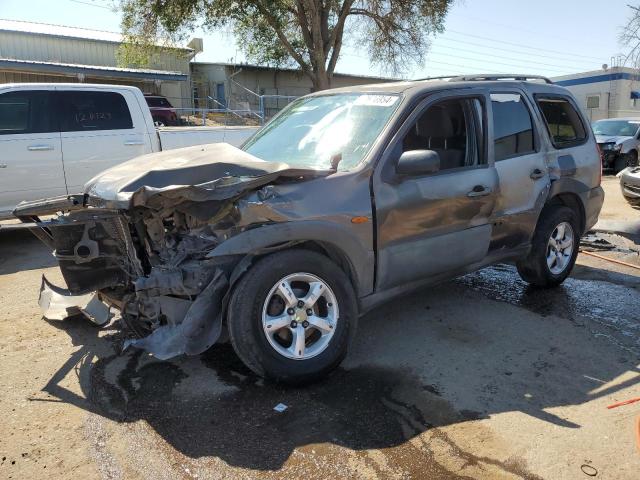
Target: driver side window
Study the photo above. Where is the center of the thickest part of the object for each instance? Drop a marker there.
(451, 128)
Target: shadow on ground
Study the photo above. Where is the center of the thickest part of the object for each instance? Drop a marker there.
(21, 250)
(459, 370)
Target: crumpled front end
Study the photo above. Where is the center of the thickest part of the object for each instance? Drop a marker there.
(151, 259)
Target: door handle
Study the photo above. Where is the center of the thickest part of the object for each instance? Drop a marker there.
(537, 173)
(479, 191)
(39, 148)
(133, 142)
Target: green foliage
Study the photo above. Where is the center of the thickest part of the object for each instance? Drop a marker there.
(306, 33)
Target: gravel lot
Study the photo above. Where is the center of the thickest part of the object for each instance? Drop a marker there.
(481, 377)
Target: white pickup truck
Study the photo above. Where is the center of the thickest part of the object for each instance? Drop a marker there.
(55, 137)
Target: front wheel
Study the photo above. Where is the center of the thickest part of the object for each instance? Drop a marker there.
(292, 315)
(554, 248)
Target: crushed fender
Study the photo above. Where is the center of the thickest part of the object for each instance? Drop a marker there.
(141, 235)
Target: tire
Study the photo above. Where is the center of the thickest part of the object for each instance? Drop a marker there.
(627, 160)
(254, 296)
(534, 268)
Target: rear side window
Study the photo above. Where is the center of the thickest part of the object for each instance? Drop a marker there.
(158, 102)
(563, 122)
(25, 112)
(87, 111)
(512, 126)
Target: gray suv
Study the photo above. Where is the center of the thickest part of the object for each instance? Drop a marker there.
(346, 199)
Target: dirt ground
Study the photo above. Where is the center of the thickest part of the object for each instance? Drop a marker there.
(481, 377)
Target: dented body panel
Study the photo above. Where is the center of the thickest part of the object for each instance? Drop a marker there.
(163, 238)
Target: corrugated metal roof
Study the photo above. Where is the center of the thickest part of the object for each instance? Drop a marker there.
(63, 31)
(70, 68)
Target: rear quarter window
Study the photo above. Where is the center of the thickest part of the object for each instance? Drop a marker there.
(88, 111)
(563, 121)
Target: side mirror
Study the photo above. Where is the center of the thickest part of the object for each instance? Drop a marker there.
(418, 162)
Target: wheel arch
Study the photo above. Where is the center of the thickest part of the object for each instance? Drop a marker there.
(335, 242)
(569, 199)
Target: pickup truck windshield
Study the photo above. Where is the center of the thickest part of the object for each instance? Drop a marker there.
(616, 128)
(314, 132)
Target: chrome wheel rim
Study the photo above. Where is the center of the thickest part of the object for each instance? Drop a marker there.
(299, 316)
(560, 248)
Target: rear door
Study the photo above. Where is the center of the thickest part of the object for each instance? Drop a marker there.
(99, 129)
(436, 223)
(30, 152)
(521, 165)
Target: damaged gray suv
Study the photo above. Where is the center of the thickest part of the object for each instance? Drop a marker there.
(346, 199)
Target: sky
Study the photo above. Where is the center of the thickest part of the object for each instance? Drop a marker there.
(544, 37)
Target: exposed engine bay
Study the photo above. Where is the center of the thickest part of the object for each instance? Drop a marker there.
(142, 237)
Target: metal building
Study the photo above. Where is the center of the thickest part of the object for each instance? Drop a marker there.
(37, 52)
(241, 86)
(608, 93)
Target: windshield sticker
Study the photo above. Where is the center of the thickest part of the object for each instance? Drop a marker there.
(376, 100)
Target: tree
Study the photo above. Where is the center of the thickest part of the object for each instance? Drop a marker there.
(306, 33)
(630, 36)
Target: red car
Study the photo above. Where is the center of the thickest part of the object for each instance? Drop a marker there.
(162, 111)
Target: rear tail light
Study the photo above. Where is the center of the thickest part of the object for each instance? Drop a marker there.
(601, 156)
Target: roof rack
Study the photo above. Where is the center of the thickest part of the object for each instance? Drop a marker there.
(522, 78)
(442, 77)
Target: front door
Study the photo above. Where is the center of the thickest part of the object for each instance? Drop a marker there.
(431, 224)
(30, 154)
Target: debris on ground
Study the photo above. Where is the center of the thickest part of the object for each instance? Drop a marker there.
(281, 407)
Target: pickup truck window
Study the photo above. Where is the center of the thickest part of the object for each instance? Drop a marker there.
(86, 111)
(25, 111)
(316, 131)
(512, 126)
(448, 129)
(563, 122)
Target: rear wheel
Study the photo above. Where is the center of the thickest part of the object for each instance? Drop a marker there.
(554, 248)
(292, 316)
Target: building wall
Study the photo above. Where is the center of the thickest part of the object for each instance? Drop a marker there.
(50, 48)
(236, 80)
(612, 87)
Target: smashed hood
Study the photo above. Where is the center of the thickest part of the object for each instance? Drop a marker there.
(205, 172)
(611, 138)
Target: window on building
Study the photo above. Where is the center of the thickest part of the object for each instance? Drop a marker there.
(25, 112)
(593, 101)
(88, 111)
(563, 121)
(512, 126)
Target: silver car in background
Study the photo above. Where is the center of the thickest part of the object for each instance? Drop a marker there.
(619, 141)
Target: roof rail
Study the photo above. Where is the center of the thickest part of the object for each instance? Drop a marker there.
(522, 78)
(442, 77)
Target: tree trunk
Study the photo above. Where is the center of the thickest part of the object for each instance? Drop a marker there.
(321, 80)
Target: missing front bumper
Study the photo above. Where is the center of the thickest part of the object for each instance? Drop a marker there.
(58, 304)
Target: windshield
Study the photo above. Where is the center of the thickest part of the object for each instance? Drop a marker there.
(616, 128)
(314, 132)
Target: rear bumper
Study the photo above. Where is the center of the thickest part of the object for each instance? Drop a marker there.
(593, 205)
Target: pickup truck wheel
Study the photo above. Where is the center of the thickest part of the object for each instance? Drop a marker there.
(292, 316)
(554, 248)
